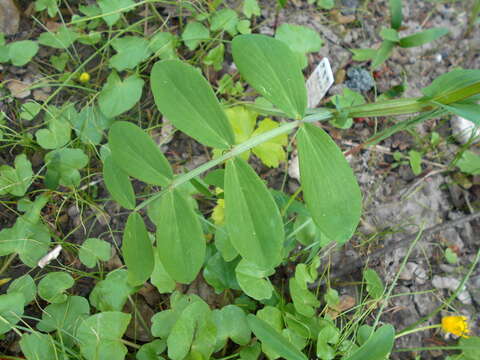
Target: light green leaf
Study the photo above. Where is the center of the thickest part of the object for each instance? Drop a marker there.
(251, 8)
(112, 293)
(180, 240)
(415, 159)
(363, 54)
(137, 250)
(30, 110)
(389, 34)
(59, 129)
(50, 5)
(63, 165)
(11, 310)
(304, 301)
(377, 347)
(90, 124)
(194, 333)
(271, 68)
(21, 52)
(396, 16)
(137, 155)
(254, 280)
(274, 339)
(29, 237)
(331, 297)
(65, 317)
(17, 180)
(112, 9)
(451, 256)
(300, 39)
(152, 350)
(163, 45)
(330, 189)
(243, 122)
(422, 37)
(160, 278)
(382, 54)
(469, 347)
(253, 221)
(100, 336)
(118, 96)
(24, 285)
(451, 81)
(194, 34)
(94, 250)
(231, 322)
(38, 346)
(270, 152)
(243, 27)
(215, 57)
(224, 245)
(327, 335)
(225, 20)
(59, 62)
(184, 96)
(118, 184)
(51, 288)
(131, 51)
(466, 110)
(61, 39)
(469, 163)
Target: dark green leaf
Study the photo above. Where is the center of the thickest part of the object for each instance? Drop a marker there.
(422, 37)
(252, 218)
(273, 70)
(184, 96)
(469, 111)
(136, 154)
(137, 250)
(374, 283)
(180, 240)
(451, 81)
(118, 184)
(330, 189)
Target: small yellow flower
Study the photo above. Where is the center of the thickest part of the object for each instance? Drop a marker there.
(456, 325)
(218, 215)
(84, 77)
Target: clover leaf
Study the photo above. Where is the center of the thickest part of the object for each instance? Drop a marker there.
(131, 51)
(16, 180)
(63, 165)
(51, 288)
(118, 96)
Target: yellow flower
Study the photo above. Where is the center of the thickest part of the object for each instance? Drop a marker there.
(456, 325)
(218, 215)
(84, 77)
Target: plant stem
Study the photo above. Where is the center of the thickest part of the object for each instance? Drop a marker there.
(435, 326)
(7, 263)
(131, 344)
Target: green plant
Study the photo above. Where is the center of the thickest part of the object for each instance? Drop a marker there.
(391, 38)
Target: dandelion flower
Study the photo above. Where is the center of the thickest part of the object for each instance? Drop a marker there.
(84, 77)
(456, 325)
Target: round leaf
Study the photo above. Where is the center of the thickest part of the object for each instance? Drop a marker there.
(52, 286)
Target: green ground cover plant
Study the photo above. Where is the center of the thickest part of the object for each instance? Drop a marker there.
(101, 125)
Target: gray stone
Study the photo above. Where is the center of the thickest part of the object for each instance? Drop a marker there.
(359, 79)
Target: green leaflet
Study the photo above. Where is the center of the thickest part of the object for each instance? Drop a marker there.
(38, 346)
(271, 337)
(396, 15)
(100, 336)
(330, 189)
(137, 155)
(466, 110)
(422, 37)
(51, 288)
(137, 250)
(11, 310)
(378, 345)
(180, 240)
(273, 70)
(450, 82)
(16, 181)
(184, 96)
(118, 184)
(253, 221)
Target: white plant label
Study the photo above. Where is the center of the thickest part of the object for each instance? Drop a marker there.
(319, 82)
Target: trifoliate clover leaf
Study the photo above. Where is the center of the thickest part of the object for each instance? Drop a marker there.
(21, 52)
(300, 39)
(59, 129)
(51, 288)
(112, 9)
(62, 167)
(93, 250)
(118, 96)
(100, 336)
(29, 237)
(50, 5)
(90, 124)
(16, 180)
(131, 51)
(62, 39)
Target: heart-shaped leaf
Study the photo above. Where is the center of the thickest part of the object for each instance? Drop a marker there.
(51, 288)
(93, 250)
(118, 96)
